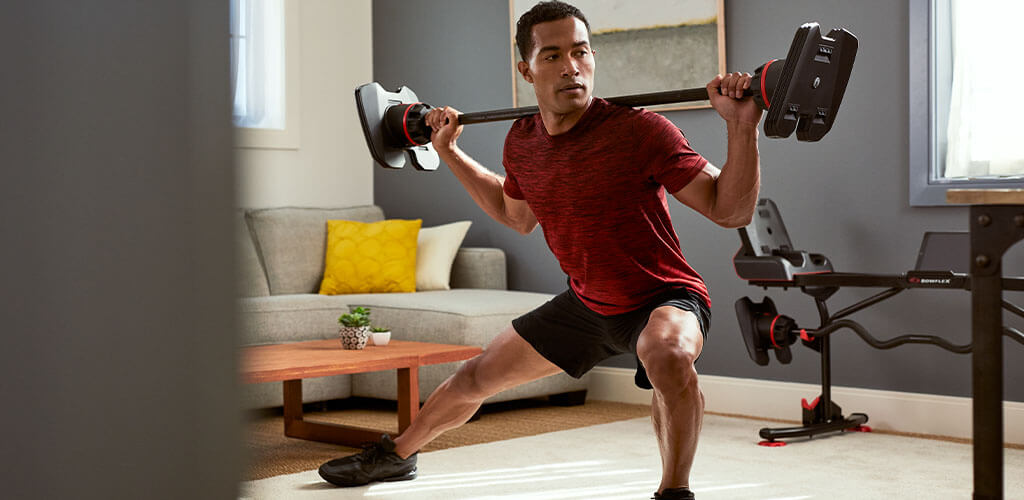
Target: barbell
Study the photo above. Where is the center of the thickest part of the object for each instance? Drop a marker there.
(801, 93)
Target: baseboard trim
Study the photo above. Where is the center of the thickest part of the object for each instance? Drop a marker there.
(887, 410)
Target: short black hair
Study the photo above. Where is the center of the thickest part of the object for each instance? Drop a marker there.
(541, 13)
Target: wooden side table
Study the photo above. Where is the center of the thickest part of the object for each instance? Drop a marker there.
(996, 224)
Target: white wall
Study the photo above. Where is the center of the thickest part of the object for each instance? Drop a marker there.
(332, 166)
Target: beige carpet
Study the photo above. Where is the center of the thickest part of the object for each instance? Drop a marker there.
(620, 461)
(270, 453)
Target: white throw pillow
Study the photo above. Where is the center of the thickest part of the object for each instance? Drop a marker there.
(435, 252)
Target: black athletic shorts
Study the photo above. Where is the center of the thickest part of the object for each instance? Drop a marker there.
(573, 337)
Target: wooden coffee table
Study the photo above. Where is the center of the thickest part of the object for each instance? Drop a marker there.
(290, 363)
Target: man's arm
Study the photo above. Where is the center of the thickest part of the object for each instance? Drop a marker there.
(483, 185)
(728, 197)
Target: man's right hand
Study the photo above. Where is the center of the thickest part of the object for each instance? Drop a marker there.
(446, 128)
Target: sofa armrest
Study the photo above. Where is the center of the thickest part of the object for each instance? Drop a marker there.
(478, 267)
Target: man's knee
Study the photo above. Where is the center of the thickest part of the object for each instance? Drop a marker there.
(668, 349)
(671, 369)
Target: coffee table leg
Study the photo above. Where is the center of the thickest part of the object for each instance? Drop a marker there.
(295, 426)
(408, 396)
(292, 404)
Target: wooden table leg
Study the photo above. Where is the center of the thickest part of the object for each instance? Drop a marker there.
(292, 402)
(295, 426)
(408, 396)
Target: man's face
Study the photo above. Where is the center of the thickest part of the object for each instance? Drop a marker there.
(561, 66)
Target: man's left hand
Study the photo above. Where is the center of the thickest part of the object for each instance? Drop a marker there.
(730, 102)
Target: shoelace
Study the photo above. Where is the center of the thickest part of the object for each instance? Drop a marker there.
(371, 452)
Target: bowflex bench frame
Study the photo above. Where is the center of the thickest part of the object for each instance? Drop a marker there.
(767, 259)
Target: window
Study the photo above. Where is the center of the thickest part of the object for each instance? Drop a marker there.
(264, 73)
(963, 116)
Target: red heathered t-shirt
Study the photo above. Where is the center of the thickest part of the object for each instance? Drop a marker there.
(598, 192)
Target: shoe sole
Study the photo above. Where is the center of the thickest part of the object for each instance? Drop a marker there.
(408, 476)
(404, 477)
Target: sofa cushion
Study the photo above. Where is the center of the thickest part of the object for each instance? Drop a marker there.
(463, 302)
(292, 242)
(290, 318)
(476, 267)
(374, 257)
(252, 281)
(460, 316)
(435, 252)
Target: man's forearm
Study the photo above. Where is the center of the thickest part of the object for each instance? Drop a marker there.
(740, 181)
(482, 184)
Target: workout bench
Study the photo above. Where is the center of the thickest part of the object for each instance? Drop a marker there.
(767, 258)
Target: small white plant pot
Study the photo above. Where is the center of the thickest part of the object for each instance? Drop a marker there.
(380, 338)
(354, 337)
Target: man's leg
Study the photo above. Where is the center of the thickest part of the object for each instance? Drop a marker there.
(667, 347)
(507, 362)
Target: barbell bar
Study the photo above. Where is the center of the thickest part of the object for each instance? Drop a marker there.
(801, 93)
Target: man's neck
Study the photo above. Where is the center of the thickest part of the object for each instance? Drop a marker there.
(560, 123)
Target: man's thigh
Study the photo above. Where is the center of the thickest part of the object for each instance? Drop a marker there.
(509, 361)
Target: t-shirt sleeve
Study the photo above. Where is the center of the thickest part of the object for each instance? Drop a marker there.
(672, 162)
(511, 187)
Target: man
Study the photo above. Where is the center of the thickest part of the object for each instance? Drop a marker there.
(593, 175)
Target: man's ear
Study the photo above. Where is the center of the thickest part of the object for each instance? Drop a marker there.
(524, 69)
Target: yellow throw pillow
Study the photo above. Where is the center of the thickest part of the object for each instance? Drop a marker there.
(436, 253)
(370, 257)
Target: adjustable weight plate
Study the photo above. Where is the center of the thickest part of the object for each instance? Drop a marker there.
(372, 102)
(811, 86)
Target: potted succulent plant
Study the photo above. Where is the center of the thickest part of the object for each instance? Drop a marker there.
(355, 328)
(380, 335)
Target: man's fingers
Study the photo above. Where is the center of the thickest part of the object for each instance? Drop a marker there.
(443, 116)
(439, 117)
(434, 118)
(733, 84)
(728, 85)
(714, 85)
(452, 116)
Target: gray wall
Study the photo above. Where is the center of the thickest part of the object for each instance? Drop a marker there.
(845, 197)
(118, 354)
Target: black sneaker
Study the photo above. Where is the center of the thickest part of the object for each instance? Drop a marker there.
(674, 494)
(377, 462)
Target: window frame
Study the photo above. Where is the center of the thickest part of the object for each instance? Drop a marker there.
(924, 136)
(288, 137)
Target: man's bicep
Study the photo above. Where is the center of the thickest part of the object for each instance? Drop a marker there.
(700, 193)
(519, 212)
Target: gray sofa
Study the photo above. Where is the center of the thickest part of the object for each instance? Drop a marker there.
(281, 259)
